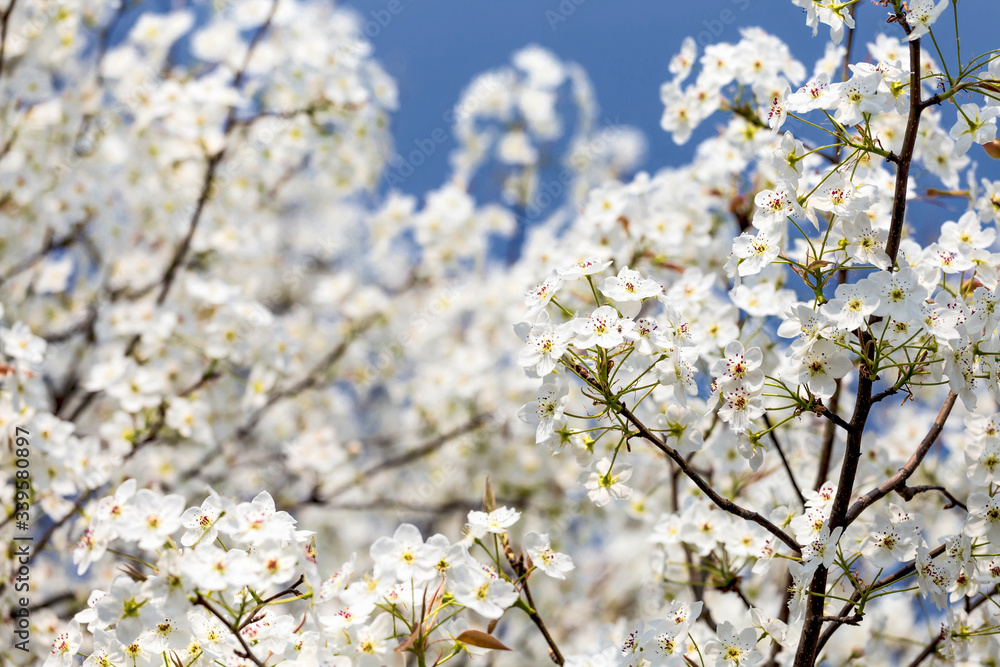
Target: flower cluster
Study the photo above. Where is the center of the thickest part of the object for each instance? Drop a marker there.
(734, 400)
(203, 585)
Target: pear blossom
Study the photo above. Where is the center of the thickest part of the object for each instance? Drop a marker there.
(739, 367)
(858, 96)
(150, 519)
(488, 597)
(603, 486)
(734, 648)
(554, 564)
(679, 426)
(974, 125)
(200, 523)
(815, 94)
(19, 343)
(921, 14)
(547, 410)
(755, 252)
(65, 646)
(497, 521)
(852, 304)
(773, 206)
(887, 543)
(538, 297)
(628, 289)
(740, 406)
(212, 284)
(585, 267)
(404, 554)
(818, 367)
(604, 328)
(984, 517)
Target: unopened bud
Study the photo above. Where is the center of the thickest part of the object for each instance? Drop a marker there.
(993, 149)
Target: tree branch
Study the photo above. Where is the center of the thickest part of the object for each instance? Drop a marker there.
(900, 574)
(50, 243)
(829, 435)
(906, 154)
(311, 379)
(521, 570)
(809, 639)
(247, 653)
(931, 647)
(898, 480)
(784, 461)
(4, 22)
(405, 457)
(909, 491)
(706, 488)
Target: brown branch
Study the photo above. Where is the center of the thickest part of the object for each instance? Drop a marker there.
(902, 573)
(936, 192)
(213, 162)
(54, 600)
(4, 22)
(845, 72)
(706, 488)
(50, 243)
(834, 418)
(853, 619)
(784, 460)
(554, 653)
(161, 416)
(181, 251)
(931, 647)
(829, 435)
(898, 480)
(521, 570)
(884, 394)
(909, 491)
(811, 627)
(404, 458)
(929, 650)
(267, 601)
(906, 154)
(311, 379)
(696, 577)
(451, 506)
(247, 653)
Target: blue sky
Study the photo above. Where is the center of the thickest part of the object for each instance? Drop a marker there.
(433, 48)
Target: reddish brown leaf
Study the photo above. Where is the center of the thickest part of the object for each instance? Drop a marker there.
(482, 640)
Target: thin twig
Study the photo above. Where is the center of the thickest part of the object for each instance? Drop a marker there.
(784, 460)
(909, 491)
(521, 570)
